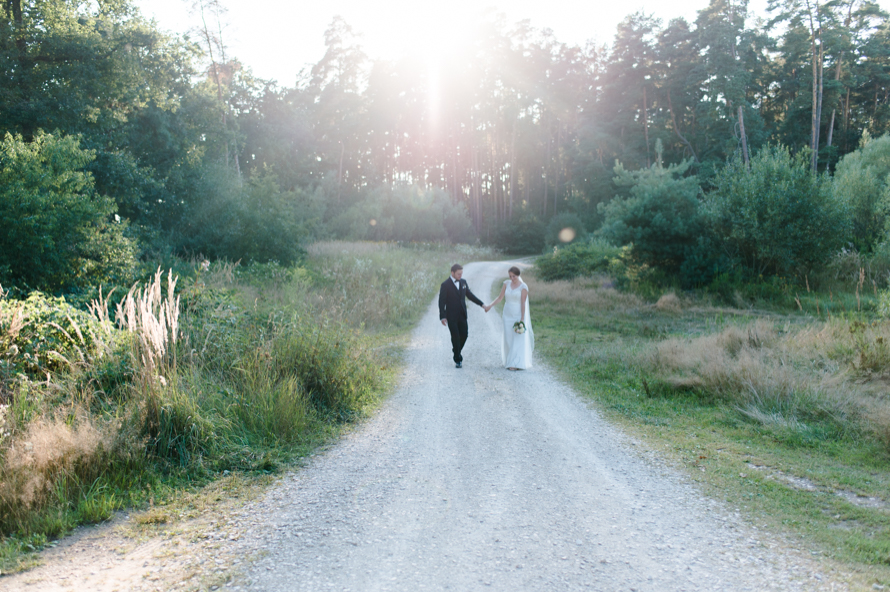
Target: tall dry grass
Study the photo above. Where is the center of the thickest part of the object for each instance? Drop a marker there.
(53, 447)
(152, 319)
(784, 377)
(54, 462)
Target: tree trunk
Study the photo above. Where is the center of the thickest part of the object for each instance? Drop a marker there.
(837, 70)
(547, 168)
(744, 137)
(494, 180)
(527, 186)
(819, 98)
(476, 189)
(676, 131)
(646, 127)
(453, 172)
(556, 176)
(237, 162)
(831, 128)
(814, 127)
(818, 54)
(512, 172)
(340, 172)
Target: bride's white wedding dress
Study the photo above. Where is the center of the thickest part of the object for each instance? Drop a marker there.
(517, 349)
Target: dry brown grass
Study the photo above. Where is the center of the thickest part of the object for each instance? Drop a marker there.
(735, 363)
(596, 294)
(774, 376)
(670, 303)
(48, 451)
(879, 421)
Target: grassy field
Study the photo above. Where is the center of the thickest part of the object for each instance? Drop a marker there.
(201, 372)
(783, 414)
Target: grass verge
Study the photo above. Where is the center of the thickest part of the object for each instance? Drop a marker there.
(782, 414)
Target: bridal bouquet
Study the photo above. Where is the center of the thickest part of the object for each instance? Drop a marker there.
(519, 327)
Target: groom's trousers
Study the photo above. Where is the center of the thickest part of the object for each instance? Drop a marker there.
(458, 329)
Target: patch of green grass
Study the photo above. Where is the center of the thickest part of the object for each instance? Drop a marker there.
(821, 477)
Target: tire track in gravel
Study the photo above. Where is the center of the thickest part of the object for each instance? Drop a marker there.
(484, 479)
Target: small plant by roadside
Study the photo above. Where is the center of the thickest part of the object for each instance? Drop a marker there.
(579, 259)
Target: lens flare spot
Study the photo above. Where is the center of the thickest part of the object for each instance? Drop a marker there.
(567, 235)
(373, 222)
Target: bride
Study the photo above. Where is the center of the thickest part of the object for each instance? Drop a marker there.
(519, 340)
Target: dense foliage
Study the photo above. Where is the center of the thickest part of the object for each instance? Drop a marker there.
(660, 217)
(58, 233)
(581, 259)
(861, 182)
(776, 218)
(196, 155)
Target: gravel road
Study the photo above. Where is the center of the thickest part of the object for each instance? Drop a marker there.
(480, 478)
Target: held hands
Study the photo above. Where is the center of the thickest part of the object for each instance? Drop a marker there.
(444, 323)
(487, 308)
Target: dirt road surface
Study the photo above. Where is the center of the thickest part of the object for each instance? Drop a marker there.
(467, 479)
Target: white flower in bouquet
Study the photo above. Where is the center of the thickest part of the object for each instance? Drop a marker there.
(519, 327)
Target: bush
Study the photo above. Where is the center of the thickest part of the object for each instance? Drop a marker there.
(564, 229)
(576, 260)
(58, 234)
(46, 334)
(660, 218)
(259, 222)
(405, 213)
(523, 235)
(778, 218)
(860, 182)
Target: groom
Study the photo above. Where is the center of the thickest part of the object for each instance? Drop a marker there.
(453, 309)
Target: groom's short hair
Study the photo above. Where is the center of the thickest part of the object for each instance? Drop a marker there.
(456, 267)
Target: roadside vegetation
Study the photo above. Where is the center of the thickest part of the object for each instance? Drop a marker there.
(778, 405)
(199, 371)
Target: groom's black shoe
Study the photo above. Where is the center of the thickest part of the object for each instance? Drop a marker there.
(458, 365)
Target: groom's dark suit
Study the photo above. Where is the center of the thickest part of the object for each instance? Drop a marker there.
(453, 308)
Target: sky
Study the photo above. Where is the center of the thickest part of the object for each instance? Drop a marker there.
(278, 38)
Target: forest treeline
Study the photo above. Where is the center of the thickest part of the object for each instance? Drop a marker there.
(124, 142)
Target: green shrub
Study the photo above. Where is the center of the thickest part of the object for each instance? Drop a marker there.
(58, 234)
(564, 229)
(46, 334)
(271, 405)
(660, 218)
(884, 303)
(330, 364)
(777, 218)
(576, 260)
(860, 182)
(258, 222)
(524, 235)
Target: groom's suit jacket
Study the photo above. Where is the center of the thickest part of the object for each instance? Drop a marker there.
(453, 303)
